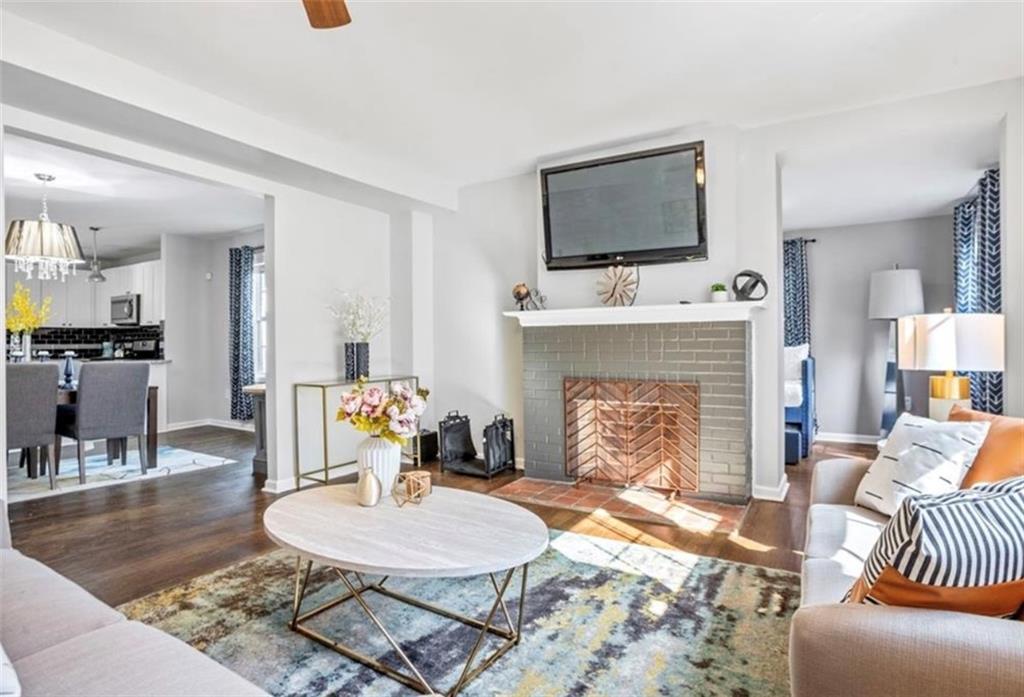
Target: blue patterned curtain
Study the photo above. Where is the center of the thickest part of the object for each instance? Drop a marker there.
(240, 320)
(797, 301)
(978, 274)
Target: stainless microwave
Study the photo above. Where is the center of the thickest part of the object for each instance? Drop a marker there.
(125, 309)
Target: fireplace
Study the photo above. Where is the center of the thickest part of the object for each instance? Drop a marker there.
(631, 432)
(707, 361)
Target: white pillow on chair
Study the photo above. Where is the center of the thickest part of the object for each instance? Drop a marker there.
(792, 361)
(921, 456)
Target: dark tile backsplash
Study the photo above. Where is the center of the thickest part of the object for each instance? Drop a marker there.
(87, 341)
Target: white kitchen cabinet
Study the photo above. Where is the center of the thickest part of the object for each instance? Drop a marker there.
(115, 285)
(152, 291)
(80, 307)
(58, 294)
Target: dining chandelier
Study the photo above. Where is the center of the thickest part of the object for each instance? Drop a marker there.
(48, 249)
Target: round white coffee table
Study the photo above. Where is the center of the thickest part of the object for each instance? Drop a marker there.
(452, 533)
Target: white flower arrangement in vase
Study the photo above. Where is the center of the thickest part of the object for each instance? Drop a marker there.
(362, 317)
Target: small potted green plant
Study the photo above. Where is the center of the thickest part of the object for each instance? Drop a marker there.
(719, 294)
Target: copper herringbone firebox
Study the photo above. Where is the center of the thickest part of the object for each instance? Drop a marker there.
(633, 432)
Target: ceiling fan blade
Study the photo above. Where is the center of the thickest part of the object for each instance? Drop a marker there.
(327, 14)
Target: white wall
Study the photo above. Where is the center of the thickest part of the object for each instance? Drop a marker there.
(850, 349)
(217, 344)
(479, 254)
(196, 326)
(186, 325)
(318, 244)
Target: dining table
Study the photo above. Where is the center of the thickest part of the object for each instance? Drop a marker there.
(69, 395)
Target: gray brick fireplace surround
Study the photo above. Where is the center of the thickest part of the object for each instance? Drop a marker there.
(713, 354)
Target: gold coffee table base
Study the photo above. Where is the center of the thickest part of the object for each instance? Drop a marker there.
(416, 681)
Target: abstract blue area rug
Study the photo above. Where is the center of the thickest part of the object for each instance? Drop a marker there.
(602, 618)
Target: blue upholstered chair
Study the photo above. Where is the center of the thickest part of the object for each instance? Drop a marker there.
(802, 417)
(111, 405)
(32, 408)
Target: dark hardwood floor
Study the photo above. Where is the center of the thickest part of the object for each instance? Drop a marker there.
(122, 542)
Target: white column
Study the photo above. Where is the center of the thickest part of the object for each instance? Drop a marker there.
(402, 290)
(759, 247)
(423, 303)
(1011, 166)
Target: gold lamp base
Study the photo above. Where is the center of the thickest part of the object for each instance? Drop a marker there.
(947, 391)
(949, 386)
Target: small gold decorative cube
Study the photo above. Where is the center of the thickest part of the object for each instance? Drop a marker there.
(411, 487)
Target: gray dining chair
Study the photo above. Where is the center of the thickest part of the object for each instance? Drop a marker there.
(32, 409)
(111, 405)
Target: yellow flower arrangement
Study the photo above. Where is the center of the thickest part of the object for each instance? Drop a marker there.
(23, 315)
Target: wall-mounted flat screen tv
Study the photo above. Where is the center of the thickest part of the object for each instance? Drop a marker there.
(639, 208)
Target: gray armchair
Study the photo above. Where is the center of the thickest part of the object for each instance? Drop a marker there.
(32, 408)
(111, 405)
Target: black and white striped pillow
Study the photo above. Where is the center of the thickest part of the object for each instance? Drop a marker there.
(959, 551)
(921, 456)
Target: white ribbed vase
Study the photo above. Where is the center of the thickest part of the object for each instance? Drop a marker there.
(382, 457)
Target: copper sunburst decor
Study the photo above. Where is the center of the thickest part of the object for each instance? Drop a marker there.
(618, 285)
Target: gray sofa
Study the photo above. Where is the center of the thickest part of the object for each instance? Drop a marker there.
(853, 650)
(63, 641)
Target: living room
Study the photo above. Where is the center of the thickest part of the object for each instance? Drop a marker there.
(413, 235)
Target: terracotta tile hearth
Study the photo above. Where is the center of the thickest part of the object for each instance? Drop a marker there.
(635, 503)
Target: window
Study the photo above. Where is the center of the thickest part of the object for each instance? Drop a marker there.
(259, 316)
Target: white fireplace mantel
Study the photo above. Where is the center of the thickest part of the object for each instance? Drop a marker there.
(640, 314)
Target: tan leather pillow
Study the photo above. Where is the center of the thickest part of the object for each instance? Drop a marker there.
(1001, 455)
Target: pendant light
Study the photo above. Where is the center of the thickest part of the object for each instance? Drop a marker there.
(50, 249)
(95, 275)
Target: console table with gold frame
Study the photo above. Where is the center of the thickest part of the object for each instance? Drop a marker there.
(323, 444)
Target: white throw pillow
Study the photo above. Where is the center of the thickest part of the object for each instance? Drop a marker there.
(9, 684)
(921, 456)
(792, 360)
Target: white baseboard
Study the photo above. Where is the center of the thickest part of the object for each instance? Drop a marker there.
(220, 423)
(772, 493)
(279, 486)
(282, 486)
(857, 438)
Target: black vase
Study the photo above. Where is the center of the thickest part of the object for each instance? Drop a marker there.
(357, 360)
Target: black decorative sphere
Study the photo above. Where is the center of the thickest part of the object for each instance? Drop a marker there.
(749, 285)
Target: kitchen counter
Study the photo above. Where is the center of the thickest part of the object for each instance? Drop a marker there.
(258, 393)
(57, 358)
(151, 361)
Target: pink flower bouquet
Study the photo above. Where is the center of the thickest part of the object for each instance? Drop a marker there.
(391, 415)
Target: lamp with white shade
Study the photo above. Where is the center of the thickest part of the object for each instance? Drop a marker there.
(41, 246)
(951, 342)
(894, 293)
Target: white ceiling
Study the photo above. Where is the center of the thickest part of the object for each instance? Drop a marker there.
(904, 176)
(477, 90)
(133, 205)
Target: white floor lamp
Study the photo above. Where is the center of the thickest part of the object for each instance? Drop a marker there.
(894, 293)
(950, 342)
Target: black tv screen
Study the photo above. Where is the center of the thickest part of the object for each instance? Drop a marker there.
(640, 208)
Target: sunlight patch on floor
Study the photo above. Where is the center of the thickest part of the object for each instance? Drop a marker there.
(681, 514)
(670, 567)
(747, 543)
